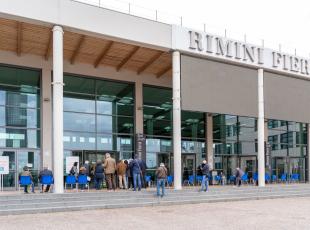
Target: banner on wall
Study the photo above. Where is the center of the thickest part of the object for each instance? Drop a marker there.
(70, 161)
(141, 146)
(4, 164)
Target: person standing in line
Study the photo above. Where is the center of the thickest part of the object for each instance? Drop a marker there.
(205, 170)
(110, 168)
(161, 174)
(239, 174)
(121, 172)
(87, 171)
(26, 172)
(45, 172)
(128, 174)
(74, 170)
(135, 166)
(98, 174)
(143, 173)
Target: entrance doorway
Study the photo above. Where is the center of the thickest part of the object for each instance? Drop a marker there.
(18, 159)
(289, 166)
(247, 163)
(188, 165)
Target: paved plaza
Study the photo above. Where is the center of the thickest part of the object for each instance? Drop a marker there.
(290, 213)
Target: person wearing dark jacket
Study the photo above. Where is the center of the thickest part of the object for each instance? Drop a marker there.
(205, 169)
(143, 173)
(98, 174)
(45, 172)
(239, 174)
(135, 166)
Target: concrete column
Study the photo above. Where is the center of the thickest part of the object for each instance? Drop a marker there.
(46, 115)
(261, 130)
(176, 84)
(209, 132)
(139, 107)
(58, 109)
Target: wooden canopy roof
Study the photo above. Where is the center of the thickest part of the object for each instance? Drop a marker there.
(25, 38)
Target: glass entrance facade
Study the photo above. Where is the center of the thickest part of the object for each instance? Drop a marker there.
(98, 118)
(157, 114)
(287, 149)
(235, 145)
(20, 121)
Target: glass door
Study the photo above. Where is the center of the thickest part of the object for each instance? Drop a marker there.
(279, 166)
(188, 165)
(297, 166)
(9, 180)
(248, 164)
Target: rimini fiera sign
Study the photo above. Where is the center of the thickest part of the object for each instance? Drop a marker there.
(204, 44)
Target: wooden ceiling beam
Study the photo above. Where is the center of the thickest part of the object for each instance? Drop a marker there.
(49, 46)
(103, 54)
(163, 71)
(77, 49)
(19, 38)
(127, 58)
(149, 62)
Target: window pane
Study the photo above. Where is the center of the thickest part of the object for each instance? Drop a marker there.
(79, 84)
(19, 138)
(19, 77)
(79, 140)
(105, 142)
(105, 124)
(114, 90)
(125, 125)
(19, 117)
(104, 107)
(79, 103)
(79, 122)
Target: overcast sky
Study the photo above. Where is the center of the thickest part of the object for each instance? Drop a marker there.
(285, 22)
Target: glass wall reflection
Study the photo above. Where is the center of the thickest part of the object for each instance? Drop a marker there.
(98, 115)
(157, 116)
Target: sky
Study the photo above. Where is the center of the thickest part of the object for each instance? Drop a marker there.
(281, 24)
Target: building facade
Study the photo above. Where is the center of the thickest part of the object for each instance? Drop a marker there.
(79, 80)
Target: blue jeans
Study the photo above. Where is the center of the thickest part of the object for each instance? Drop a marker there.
(98, 183)
(204, 183)
(161, 183)
(135, 177)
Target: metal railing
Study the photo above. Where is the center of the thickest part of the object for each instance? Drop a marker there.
(167, 18)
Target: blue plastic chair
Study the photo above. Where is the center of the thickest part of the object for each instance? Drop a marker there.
(245, 178)
(283, 178)
(70, 180)
(267, 177)
(217, 179)
(295, 177)
(47, 180)
(148, 180)
(82, 180)
(232, 179)
(169, 180)
(274, 178)
(199, 179)
(24, 181)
